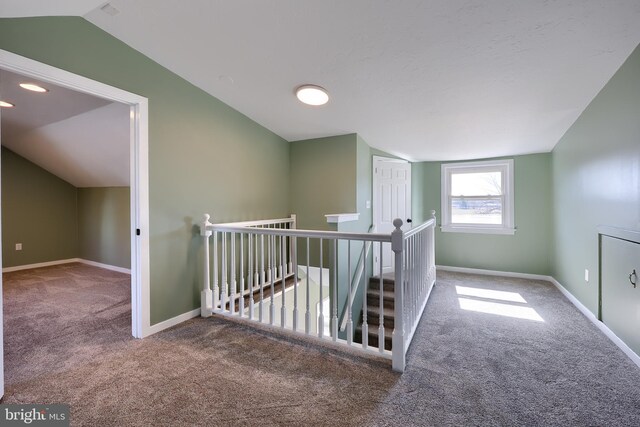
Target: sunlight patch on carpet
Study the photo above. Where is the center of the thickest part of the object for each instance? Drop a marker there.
(500, 309)
(490, 294)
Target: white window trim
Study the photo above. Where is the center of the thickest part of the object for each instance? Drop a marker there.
(506, 166)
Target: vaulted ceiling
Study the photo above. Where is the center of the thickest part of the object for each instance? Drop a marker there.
(427, 80)
(77, 137)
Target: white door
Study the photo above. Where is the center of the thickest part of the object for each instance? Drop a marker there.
(391, 200)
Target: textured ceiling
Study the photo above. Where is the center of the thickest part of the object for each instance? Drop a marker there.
(427, 80)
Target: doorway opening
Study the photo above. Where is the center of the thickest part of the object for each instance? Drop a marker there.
(138, 229)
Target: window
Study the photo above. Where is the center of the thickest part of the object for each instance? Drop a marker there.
(477, 197)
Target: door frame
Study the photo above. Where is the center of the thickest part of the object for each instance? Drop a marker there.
(139, 174)
(374, 201)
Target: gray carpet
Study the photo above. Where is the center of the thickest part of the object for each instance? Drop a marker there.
(464, 368)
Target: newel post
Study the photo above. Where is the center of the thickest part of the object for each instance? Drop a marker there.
(433, 216)
(397, 244)
(206, 296)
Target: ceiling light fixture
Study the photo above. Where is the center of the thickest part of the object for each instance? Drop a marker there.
(6, 104)
(312, 95)
(33, 87)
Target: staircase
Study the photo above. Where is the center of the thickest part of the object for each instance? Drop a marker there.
(373, 312)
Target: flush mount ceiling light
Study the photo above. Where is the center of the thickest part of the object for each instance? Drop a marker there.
(33, 87)
(312, 95)
(6, 104)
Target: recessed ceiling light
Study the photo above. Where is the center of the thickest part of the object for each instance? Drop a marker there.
(33, 87)
(6, 104)
(312, 95)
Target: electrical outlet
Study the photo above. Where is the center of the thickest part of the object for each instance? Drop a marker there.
(368, 204)
(18, 246)
(586, 275)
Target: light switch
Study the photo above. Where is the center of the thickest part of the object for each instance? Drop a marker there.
(586, 275)
(18, 246)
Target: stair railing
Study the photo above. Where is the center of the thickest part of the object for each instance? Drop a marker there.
(415, 253)
(355, 285)
(236, 281)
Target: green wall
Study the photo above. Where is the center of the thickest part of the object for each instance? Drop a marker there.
(203, 155)
(529, 250)
(103, 225)
(323, 179)
(596, 170)
(38, 210)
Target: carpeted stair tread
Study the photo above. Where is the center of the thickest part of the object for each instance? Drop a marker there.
(373, 316)
(388, 283)
(374, 337)
(373, 298)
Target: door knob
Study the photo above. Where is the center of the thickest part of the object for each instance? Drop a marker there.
(409, 221)
(633, 278)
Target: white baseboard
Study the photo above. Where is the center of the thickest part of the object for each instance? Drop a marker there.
(154, 329)
(583, 309)
(39, 265)
(492, 272)
(105, 266)
(589, 315)
(66, 261)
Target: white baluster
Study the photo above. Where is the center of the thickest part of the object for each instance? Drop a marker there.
(206, 296)
(334, 318)
(307, 314)
(269, 260)
(381, 327)
(292, 226)
(256, 276)
(261, 303)
(262, 271)
(321, 314)
(232, 280)
(365, 325)
(283, 308)
(250, 275)
(223, 297)
(216, 289)
(272, 307)
(277, 270)
(294, 244)
(241, 310)
(349, 300)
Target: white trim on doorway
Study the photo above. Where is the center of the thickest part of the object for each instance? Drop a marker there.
(140, 272)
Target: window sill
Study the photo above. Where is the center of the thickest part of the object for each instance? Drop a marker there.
(477, 230)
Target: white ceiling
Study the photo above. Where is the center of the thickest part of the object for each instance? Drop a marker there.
(427, 80)
(20, 8)
(77, 137)
(87, 150)
(33, 110)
